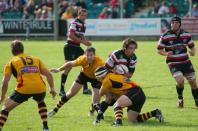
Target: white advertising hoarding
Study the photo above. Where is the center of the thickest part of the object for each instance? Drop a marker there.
(122, 27)
(145, 27)
(1, 27)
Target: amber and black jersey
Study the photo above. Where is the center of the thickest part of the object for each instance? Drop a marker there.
(117, 84)
(27, 71)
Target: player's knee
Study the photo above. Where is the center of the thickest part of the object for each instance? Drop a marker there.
(191, 77)
(5, 108)
(118, 104)
(69, 94)
(180, 82)
(193, 84)
(8, 106)
(132, 119)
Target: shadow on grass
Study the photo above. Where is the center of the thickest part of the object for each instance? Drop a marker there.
(160, 85)
(153, 123)
(150, 123)
(163, 98)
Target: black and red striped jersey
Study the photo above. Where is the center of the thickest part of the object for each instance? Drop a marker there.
(178, 45)
(119, 57)
(78, 27)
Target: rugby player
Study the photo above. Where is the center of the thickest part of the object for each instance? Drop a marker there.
(27, 70)
(89, 63)
(72, 49)
(125, 56)
(129, 95)
(173, 44)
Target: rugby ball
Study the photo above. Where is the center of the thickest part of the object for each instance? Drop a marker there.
(121, 69)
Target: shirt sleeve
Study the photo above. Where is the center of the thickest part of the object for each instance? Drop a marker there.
(132, 65)
(79, 61)
(7, 69)
(161, 44)
(72, 27)
(111, 61)
(41, 65)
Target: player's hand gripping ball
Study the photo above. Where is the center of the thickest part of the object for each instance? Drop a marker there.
(121, 69)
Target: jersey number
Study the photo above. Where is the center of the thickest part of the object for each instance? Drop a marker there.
(27, 60)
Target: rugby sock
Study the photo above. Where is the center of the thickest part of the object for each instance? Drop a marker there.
(3, 118)
(61, 102)
(180, 92)
(85, 86)
(145, 116)
(63, 80)
(195, 95)
(94, 107)
(103, 106)
(118, 114)
(43, 113)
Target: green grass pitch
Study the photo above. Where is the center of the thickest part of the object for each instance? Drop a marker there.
(151, 73)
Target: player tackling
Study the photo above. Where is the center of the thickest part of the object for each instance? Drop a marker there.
(126, 94)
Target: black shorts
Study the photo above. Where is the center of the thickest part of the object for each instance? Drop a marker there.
(71, 52)
(185, 68)
(137, 96)
(82, 79)
(20, 98)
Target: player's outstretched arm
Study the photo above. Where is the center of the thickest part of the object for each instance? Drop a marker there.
(4, 86)
(67, 65)
(50, 81)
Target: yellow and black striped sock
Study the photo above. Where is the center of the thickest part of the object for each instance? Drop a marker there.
(3, 118)
(43, 113)
(103, 106)
(118, 114)
(145, 116)
(61, 102)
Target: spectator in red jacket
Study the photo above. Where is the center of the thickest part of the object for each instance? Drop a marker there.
(172, 9)
(103, 14)
(113, 3)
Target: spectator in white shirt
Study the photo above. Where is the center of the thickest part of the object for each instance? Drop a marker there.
(163, 10)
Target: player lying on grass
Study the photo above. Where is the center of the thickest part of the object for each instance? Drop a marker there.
(27, 70)
(89, 63)
(129, 94)
(125, 56)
